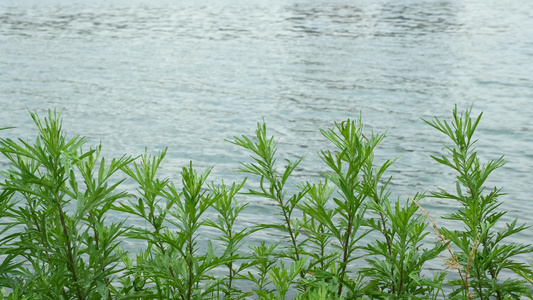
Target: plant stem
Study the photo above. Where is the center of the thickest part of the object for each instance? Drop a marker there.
(289, 227)
(389, 248)
(190, 267)
(36, 223)
(230, 266)
(97, 244)
(345, 251)
(57, 199)
(71, 261)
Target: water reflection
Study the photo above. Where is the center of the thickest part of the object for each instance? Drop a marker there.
(418, 18)
(335, 20)
(391, 18)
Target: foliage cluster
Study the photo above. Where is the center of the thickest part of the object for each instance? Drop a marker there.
(59, 240)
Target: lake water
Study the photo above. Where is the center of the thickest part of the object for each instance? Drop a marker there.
(192, 74)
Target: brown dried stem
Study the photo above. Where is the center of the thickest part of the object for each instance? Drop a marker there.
(453, 262)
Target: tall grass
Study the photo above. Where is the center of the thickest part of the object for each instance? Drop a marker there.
(59, 238)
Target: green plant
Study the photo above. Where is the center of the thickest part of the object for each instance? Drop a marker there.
(62, 194)
(350, 164)
(57, 240)
(397, 261)
(232, 240)
(171, 263)
(482, 253)
(272, 186)
(263, 260)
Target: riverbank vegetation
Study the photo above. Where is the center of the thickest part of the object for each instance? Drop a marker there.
(64, 220)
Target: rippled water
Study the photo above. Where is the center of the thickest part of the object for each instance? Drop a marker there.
(191, 75)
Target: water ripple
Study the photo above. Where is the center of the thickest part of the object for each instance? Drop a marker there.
(191, 75)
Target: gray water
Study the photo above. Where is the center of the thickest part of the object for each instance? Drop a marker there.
(190, 75)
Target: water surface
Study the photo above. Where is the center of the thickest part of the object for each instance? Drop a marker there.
(191, 75)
